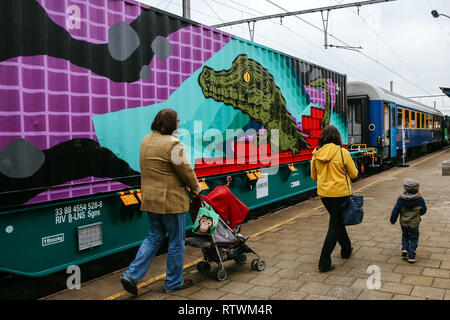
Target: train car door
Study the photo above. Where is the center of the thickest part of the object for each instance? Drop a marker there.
(393, 129)
(386, 129)
(357, 119)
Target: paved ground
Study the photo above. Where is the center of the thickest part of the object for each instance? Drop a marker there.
(290, 242)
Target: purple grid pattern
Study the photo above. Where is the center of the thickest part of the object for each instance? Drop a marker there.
(48, 100)
(319, 97)
(95, 15)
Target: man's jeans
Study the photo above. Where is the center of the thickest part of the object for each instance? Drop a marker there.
(410, 240)
(160, 225)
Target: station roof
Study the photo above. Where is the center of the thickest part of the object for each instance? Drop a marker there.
(446, 91)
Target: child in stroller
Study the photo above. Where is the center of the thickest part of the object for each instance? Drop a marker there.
(226, 243)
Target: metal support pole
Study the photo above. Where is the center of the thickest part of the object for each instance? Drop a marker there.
(187, 9)
(325, 26)
(403, 165)
(296, 13)
(251, 29)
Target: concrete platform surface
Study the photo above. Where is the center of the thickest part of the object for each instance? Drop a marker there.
(290, 242)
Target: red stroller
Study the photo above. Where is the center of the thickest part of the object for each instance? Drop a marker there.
(226, 243)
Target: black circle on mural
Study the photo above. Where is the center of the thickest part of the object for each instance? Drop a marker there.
(371, 127)
(145, 73)
(123, 40)
(20, 159)
(162, 48)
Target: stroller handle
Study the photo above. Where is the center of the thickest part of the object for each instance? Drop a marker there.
(197, 196)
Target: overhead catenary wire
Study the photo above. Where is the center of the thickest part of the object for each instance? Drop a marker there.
(311, 59)
(283, 45)
(210, 8)
(360, 75)
(389, 47)
(365, 55)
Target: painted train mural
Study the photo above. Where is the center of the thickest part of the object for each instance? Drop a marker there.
(81, 82)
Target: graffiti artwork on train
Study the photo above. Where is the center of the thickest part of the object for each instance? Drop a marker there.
(75, 105)
(250, 88)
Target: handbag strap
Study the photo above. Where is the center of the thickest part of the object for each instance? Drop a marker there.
(345, 170)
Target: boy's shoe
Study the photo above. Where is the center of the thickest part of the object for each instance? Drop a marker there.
(412, 260)
(404, 254)
(129, 286)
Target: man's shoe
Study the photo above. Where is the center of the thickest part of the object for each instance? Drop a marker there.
(129, 286)
(346, 256)
(331, 267)
(186, 284)
(404, 254)
(412, 260)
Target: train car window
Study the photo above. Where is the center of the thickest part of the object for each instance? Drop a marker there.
(407, 118)
(413, 120)
(417, 120)
(425, 121)
(399, 118)
(354, 118)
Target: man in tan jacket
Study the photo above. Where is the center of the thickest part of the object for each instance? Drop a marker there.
(166, 176)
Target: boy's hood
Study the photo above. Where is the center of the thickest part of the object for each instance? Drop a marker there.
(410, 196)
(326, 153)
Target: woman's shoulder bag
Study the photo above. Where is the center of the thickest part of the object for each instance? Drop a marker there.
(353, 212)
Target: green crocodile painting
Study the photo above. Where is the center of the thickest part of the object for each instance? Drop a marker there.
(321, 82)
(250, 88)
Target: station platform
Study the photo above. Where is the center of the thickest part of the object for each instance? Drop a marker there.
(290, 241)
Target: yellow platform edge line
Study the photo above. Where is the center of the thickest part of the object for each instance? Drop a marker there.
(190, 264)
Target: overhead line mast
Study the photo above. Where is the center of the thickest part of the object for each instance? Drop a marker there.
(295, 13)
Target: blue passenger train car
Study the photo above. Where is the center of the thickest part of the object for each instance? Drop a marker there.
(377, 116)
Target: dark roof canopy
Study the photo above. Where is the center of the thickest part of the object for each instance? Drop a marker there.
(446, 91)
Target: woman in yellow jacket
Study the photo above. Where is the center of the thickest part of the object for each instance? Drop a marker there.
(327, 168)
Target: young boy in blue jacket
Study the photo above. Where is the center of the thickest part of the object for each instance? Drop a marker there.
(410, 206)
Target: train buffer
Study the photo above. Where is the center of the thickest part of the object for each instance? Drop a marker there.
(359, 151)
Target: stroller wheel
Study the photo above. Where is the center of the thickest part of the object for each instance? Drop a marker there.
(203, 267)
(241, 259)
(221, 275)
(258, 265)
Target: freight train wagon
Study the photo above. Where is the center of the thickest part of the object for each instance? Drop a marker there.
(80, 84)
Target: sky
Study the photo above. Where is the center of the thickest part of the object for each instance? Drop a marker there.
(400, 40)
